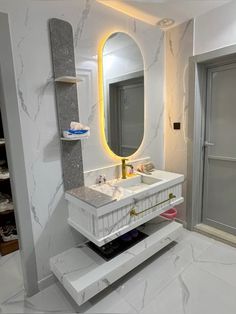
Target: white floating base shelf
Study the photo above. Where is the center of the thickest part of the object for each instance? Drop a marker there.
(68, 79)
(83, 273)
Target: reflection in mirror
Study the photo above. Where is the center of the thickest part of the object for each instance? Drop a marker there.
(123, 88)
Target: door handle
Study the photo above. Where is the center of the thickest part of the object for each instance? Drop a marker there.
(207, 144)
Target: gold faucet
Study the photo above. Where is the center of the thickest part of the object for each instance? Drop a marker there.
(123, 167)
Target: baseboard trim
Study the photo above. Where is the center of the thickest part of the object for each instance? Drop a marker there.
(182, 222)
(46, 282)
(216, 234)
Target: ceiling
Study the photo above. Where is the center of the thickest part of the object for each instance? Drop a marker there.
(152, 11)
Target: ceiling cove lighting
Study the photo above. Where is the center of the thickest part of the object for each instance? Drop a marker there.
(130, 11)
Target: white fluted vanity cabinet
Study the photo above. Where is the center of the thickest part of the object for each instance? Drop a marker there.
(133, 202)
(104, 212)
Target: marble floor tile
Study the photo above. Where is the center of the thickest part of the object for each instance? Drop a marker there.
(220, 261)
(148, 280)
(109, 301)
(196, 241)
(194, 291)
(11, 279)
(50, 300)
(196, 275)
(154, 275)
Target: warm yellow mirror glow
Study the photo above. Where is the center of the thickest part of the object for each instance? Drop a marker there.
(130, 11)
(101, 96)
(105, 67)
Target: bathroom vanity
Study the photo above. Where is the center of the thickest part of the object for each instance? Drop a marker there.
(105, 212)
(102, 213)
(120, 216)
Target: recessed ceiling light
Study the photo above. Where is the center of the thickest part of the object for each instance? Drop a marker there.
(166, 22)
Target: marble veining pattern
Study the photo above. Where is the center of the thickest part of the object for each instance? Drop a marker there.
(179, 47)
(195, 276)
(80, 26)
(29, 32)
(86, 280)
(157, 52)
(91, 197)
(108, 222)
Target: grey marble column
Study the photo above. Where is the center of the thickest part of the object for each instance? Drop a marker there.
(62, 47)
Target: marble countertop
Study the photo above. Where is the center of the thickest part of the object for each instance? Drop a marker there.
(101, 199)
(91, 196)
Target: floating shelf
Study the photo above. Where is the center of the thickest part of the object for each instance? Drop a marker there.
(7, 212)
(8, 247)
(74, 139)
(83, 273)
(79, 137)
(68, 79)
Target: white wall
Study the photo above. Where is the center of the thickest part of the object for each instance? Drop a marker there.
(215, 29)
(33, 66)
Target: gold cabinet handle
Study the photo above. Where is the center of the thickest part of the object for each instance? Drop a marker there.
(134, 213)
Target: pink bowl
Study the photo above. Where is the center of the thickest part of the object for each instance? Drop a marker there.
(170, 213)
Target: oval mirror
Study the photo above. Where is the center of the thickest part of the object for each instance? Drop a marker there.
(123, 94)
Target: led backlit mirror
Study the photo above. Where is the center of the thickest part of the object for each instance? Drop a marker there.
(123, 94)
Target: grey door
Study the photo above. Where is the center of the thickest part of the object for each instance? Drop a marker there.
(131, 112)
(219, 196)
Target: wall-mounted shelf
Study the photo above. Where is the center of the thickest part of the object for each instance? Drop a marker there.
(77, 138)
(68, 79)
(8, 235)
(74, 139)
(7, 212)
(4, 175)
(8, 247)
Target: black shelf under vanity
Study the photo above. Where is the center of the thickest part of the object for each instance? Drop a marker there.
(114, 248)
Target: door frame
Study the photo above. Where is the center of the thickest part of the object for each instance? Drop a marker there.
(205, 220)
(198, 66)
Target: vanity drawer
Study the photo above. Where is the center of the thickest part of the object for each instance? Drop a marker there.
(144, 208)
(103, 229)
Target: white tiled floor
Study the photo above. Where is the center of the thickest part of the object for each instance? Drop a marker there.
(197, 275)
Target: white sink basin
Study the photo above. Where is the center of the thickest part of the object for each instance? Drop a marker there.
(137, 183)
(122, 188)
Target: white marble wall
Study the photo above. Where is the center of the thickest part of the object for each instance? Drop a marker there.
(179, 47)
(33, 66)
